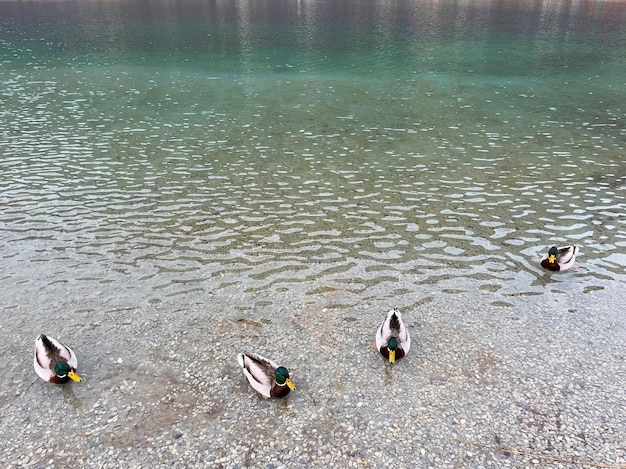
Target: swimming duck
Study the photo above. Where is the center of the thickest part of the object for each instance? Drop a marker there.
(55, 362)
(561, 258)
(392, 337)
(265, 376)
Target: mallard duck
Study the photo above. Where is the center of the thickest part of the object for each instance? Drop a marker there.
(560, 258)
(392, 337)
(265, 376)
(55, 362)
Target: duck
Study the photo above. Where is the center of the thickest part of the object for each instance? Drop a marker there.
(55, 362)
(265, 376)
(392, 338)
(560, 258)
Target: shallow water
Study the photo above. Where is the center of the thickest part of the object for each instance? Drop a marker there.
(370, 149)
(180, 180)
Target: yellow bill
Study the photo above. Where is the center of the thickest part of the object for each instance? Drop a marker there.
(289, 383)
(74, 376)
(392, 356)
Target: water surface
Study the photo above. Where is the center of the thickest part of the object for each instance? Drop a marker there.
(180, 180)
(167, 149)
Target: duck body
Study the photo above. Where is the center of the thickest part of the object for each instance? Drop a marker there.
(265, 376)
(392, 338)
(54, 362)
(560, 258)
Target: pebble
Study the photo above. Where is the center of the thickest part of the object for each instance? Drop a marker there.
(540, 385)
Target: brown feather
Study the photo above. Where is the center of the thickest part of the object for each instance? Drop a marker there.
(554, 266)
(384, 351)
(53, 353)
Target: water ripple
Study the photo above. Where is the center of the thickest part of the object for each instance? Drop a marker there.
(131, 182)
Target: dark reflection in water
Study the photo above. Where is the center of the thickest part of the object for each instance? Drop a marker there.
(181, 23)
(377, 149)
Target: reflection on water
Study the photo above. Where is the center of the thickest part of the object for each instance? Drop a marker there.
(389, 150)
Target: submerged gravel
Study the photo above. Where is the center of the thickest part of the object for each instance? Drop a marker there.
(537, 383)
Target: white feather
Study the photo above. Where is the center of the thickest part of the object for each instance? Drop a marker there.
(42, 361)
(259, 375)
(566, 256)
(384, 332)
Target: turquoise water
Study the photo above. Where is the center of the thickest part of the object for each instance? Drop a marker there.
(358, 148)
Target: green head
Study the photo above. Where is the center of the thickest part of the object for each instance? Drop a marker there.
(282, 377)
(62, 369)
(392, 343)
(552, 252)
